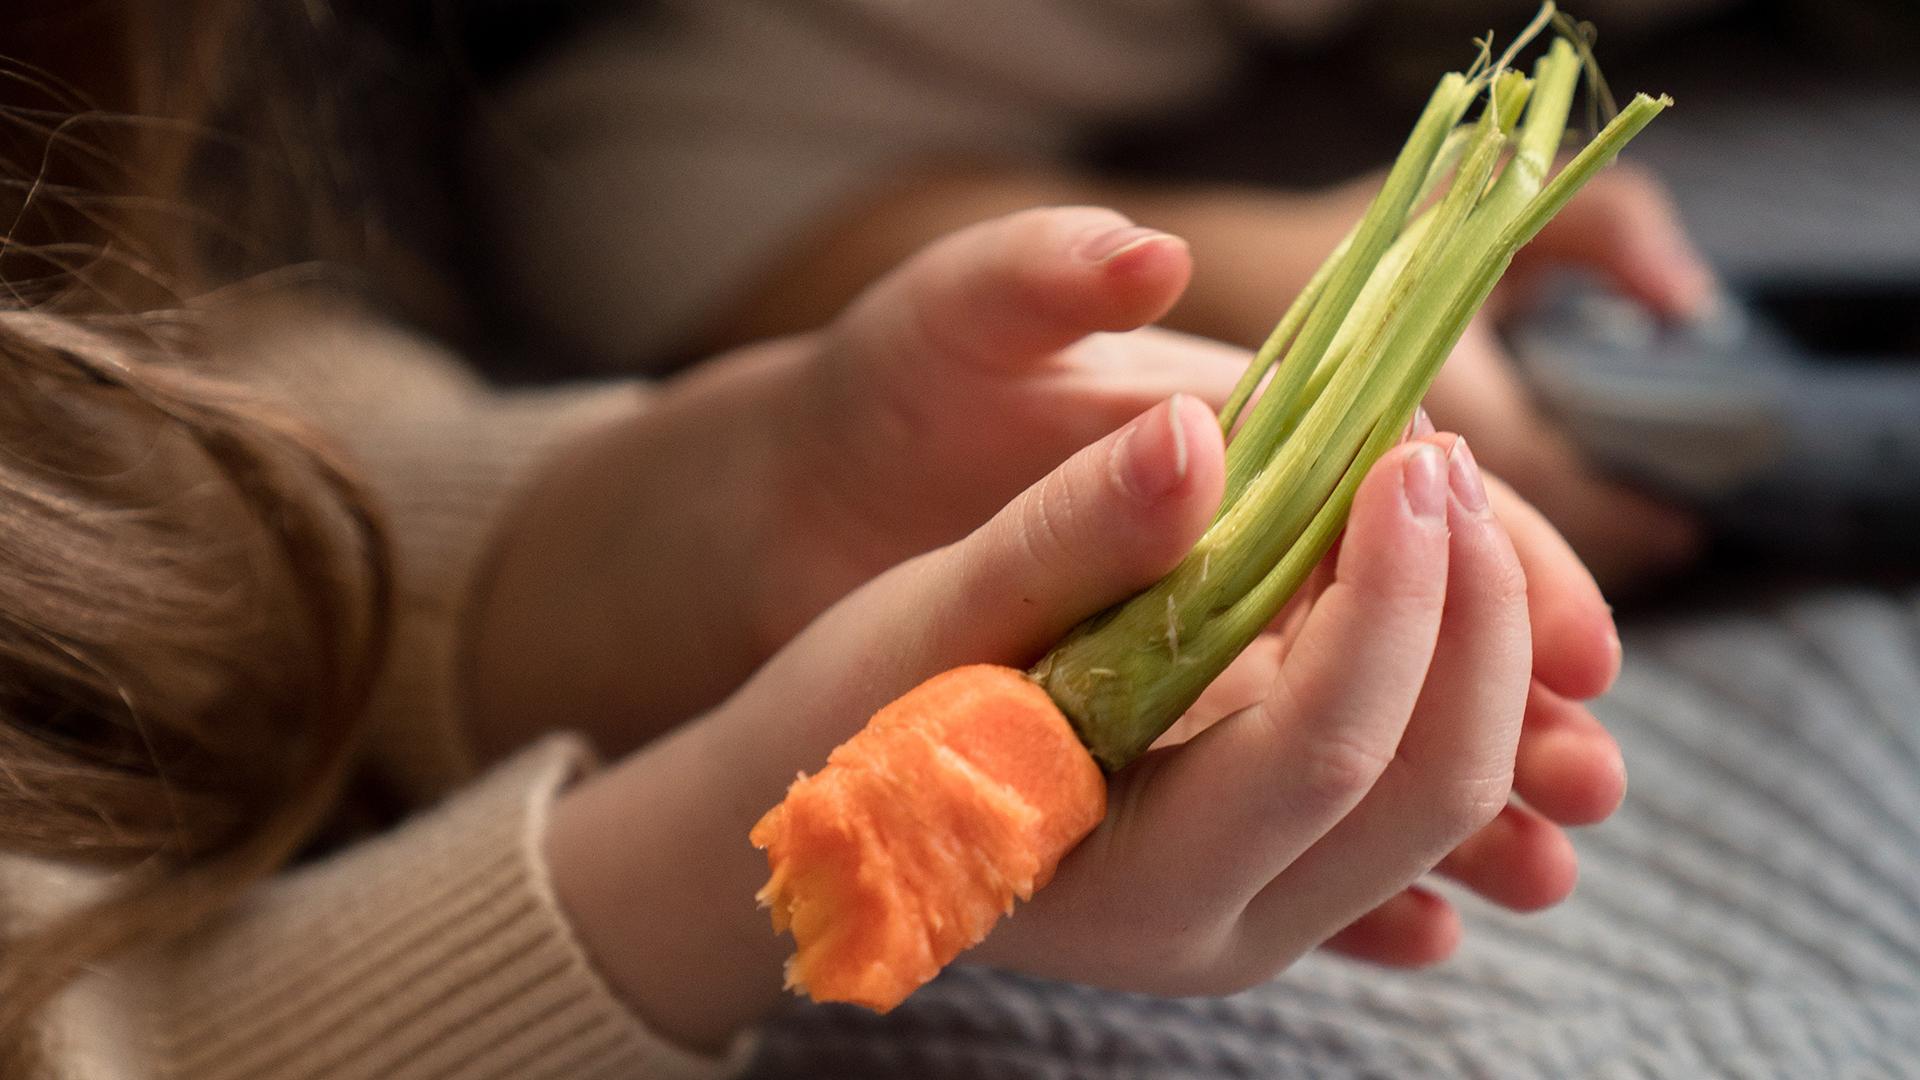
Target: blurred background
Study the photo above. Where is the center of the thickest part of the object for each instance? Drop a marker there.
(670, 179)
(601, 187)
(1789, 420)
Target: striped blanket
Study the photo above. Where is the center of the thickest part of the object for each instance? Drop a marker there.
(1752, 911)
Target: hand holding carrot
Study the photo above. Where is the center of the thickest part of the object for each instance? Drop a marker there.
(743, 499)
(961, 378)
(1271, 831)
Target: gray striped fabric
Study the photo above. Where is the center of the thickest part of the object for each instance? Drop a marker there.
(1753, 911)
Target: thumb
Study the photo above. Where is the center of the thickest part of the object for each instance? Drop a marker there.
(1109, 522)
(1009, 292)
(1101, 527)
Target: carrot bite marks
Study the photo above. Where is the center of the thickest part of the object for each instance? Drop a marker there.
(956, 799)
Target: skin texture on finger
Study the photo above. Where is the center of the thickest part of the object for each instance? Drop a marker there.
(1452, 770)
(1568, 766)
(1008, 293)
(1094, 386)
(1172, 457)
(1152, 363)
(1414, 928)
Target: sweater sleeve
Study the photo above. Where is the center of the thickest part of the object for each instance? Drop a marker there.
(437, 952)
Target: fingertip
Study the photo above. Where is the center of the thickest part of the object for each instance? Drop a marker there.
(1145, 278)
(1581, 654)
(1520, 860)
(1120, 275)
(1010, 292)
(1414, 928)
(1443, 930)
(1568, 766)
(1574, 778)
(1171, 462)
(1394, 548)
(1550, 869)
(1663, 272)
(1206, 442)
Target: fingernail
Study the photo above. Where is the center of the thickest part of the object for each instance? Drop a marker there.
(1424, 475)
(1417, 427)
(1463, 475)
(1152, 458)
(1110, 245)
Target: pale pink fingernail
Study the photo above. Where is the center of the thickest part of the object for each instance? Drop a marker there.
(1152, 457)
(1464, 477)
(1106, 246)
(1422, 423)
(1424, 475)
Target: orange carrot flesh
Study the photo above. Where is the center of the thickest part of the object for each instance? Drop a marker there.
(956, 799)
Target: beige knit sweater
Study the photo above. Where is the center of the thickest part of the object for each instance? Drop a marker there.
(438, 951)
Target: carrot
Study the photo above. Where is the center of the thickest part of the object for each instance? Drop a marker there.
(965, 793)
(955, 799)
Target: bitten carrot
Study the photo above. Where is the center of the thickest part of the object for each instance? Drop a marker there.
(964, 794)
(954, 800)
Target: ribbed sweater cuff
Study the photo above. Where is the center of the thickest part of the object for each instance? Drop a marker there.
(436, 953)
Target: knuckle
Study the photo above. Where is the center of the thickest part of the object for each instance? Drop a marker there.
(1254, 957)
(1045, 526)
(1336, 771)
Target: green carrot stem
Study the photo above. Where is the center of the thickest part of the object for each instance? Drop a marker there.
(1511, 90)
(1279, 408)
(1357, 351)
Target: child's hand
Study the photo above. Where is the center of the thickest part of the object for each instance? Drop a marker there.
(1381, 740)
(960, 379)
(705, 530)
(1384, 740)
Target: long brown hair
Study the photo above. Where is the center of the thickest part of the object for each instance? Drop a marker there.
(193, 587)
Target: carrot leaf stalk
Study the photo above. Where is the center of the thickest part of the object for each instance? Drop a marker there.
(1370, 338)
(963, 795)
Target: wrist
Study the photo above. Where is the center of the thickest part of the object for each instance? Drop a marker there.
(650, 863)
(618, 596)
